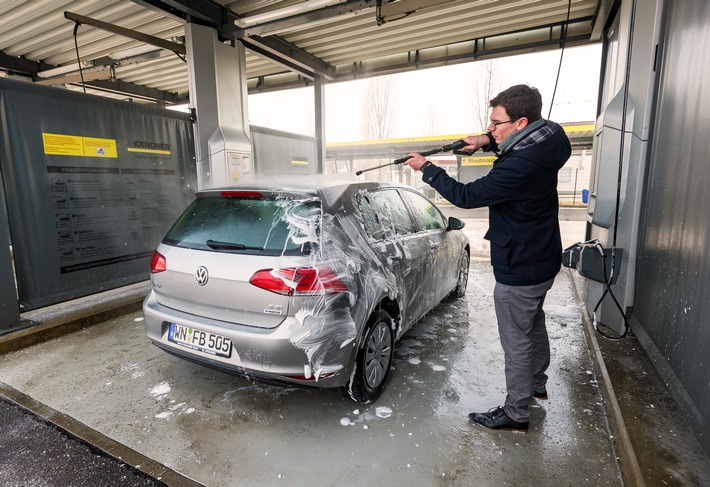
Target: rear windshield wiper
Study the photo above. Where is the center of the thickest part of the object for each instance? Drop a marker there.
(214, 244)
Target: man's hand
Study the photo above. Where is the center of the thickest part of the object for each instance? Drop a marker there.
(475, 142)
(415, 160)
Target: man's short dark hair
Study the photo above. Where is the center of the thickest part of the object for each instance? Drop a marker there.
(520, 101)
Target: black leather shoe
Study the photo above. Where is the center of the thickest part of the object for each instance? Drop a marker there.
(497, 419)
(540, 395)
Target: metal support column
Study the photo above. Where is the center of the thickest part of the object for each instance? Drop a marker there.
(319, 106)
(218, 93)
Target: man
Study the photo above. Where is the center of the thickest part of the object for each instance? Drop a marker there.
(524, 234)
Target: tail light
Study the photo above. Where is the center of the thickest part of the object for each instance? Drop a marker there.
(299, 281)
(158, 263)
(250, 195)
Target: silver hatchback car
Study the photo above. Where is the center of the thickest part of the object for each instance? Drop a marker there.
(308, 284)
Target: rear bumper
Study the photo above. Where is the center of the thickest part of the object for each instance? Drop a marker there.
(266, 354)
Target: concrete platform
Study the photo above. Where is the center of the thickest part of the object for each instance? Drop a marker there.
(184, 424)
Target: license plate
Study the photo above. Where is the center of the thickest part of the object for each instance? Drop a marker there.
(203, 341)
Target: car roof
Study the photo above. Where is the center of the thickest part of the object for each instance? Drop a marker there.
(328, 187)
(301, 182)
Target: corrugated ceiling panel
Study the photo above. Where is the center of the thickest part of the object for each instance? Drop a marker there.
(8, 5)
(27, 20)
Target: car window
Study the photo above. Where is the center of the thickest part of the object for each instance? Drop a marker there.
(371, 222)
(428, 216)
(385, 214)
(246, 225)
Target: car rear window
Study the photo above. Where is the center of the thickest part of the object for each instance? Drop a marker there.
(251, 225)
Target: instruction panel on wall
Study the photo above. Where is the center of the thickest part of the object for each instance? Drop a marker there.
(92, 186)
(112, 212)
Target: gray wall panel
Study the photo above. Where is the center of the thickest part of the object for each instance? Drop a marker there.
(277, 152)
(672, 301)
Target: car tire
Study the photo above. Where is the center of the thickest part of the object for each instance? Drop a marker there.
(373, 361)
(461, 278)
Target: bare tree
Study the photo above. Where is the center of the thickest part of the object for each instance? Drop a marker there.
(486, 85)
(430, 121)
(380, 101)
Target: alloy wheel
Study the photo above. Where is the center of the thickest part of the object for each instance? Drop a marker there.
(378, 354)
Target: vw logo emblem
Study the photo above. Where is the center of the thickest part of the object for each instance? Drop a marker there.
(201, 275)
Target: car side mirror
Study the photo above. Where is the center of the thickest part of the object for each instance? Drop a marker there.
(455, 224)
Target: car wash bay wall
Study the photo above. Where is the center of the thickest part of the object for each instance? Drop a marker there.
(91, 186)
(662, 194)
(672, 305)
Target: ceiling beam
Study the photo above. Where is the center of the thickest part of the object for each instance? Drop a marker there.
(131, 34)
(204, 12)
(21, 65)
(388, 12)
(290, 56)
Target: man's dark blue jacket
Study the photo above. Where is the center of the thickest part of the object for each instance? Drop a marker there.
(521, 193)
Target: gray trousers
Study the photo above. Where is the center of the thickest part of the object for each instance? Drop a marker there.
(523, 336)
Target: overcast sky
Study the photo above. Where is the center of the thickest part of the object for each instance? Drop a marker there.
(439, 94)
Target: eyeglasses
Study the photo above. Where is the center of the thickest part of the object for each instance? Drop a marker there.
(495, 124)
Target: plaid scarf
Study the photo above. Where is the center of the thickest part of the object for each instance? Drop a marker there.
(534, 133)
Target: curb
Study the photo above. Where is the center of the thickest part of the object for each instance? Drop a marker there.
(60, 319)
(628, 462)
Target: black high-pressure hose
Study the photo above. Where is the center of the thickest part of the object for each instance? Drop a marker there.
(448, 147)
(78, 59)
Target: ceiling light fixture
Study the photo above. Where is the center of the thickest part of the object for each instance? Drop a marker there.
(285, 12)
(133, 51)
(59, 70)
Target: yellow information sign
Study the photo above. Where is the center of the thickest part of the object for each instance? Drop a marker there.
(74, 145)
(478, 160)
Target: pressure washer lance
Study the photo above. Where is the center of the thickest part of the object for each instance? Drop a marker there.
(449, 147)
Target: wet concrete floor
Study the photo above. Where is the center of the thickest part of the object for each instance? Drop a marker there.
(218, 429)
(221, 430)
